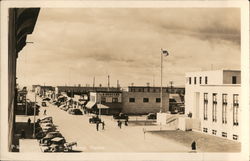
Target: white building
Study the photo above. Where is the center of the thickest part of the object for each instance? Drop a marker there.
(213, 98)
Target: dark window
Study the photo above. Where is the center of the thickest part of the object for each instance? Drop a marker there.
(114, 99)
(234, 79)
(205, 130)
(145, 100)
(214, 109)
(224, 134)
(205, 105)
(235, 109)
(158, 100)
(190, 80)
(214, 132)
(235, 137)
(224, 108)
(206, 80)
(200, 80)
(103, 99)
(131, 99)
(194, 80)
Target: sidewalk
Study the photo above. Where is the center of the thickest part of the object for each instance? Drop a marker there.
(29, 145)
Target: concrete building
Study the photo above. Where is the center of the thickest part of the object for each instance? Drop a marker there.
(21, 23)
(213, 100)
(144, 99)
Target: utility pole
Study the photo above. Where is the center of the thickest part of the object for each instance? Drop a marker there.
(34, 124)
(108, 83)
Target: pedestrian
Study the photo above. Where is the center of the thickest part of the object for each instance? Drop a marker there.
(97, 125)
(29, 121)
(22, 134)
(120, 124)
(193, 146)
(103, 124)
(44, 112)
(126, 123)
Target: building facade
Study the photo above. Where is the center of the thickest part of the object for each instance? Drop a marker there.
(213, 100)
(108, 102)
(144, 99)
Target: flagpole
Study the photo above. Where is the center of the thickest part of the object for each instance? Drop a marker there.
(161, 82)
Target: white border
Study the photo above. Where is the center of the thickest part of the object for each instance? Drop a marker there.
(5, 155)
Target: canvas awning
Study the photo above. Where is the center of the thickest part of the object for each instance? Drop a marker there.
(101, 106)
(90, 104)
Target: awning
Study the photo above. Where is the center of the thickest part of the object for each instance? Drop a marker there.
(90, 104)
(101, 106)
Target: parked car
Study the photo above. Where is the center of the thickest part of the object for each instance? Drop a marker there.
(49, 136)
(40, 135)
(44, 104)
(121, 116)
(94, 119)
(46, 99)
(151, 116)
(75, 111)
(59, 144)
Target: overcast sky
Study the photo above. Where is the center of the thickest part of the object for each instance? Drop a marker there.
(71, 46)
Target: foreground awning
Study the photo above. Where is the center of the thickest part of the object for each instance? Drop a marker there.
(90, 104)
(101, 106)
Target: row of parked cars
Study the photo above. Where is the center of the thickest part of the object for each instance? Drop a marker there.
(50, 139)
(70, 110)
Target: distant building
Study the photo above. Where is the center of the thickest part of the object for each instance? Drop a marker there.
(105, 102)
(144, 99)
(213, 100)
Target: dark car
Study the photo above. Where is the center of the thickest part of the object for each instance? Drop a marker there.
(46, 99)
(44, 104)
(94, 119)
(47, 139)
(40, 135)
(151, 116)
(75, 111)
(121, 116)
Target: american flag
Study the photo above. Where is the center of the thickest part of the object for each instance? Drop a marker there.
(164, 52)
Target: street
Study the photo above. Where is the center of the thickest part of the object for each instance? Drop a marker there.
(111, 139)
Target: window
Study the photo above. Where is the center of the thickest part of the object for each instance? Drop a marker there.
(194, 80)
(131, 99)
(158, 100)
(103, 99)
(145, 100)
(205, 105)
(235, 137)
(224, 108)
(214, 109)
(214, 132)
(205, 130)
(235, 109)
(234, 79)
(200, 80)
(224, 134)
(206, 80)
(190, 80)
(114, 99)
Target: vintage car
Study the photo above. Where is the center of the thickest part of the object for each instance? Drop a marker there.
(59, 144)
(151, 116)
(75, 111)
(49, 136)
(44, 104)
(121, 116)
(94, 119)
(46, 99)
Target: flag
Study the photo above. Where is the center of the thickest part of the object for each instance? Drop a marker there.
(164, 52)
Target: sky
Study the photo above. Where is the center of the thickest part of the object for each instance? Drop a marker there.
(72, 46)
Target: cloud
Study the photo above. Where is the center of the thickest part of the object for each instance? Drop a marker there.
(74, 45)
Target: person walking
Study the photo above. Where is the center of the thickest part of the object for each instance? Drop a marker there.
(97, 125)
(22, 134)
(103, 124)
(29, 121)
(193, 146)
(44, 112)
(120, 124)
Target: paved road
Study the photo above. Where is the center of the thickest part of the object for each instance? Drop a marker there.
(112, 139)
